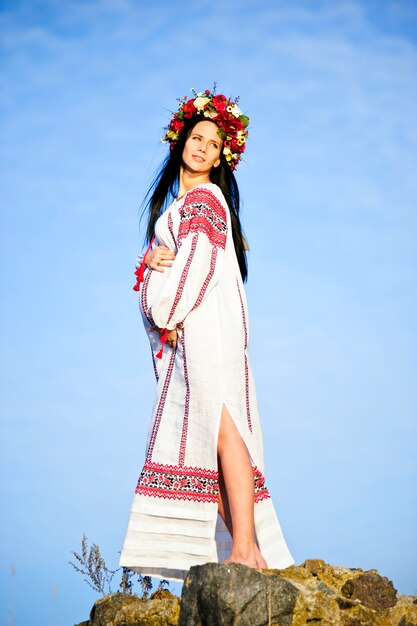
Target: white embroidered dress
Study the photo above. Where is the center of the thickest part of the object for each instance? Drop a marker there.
(174, 521)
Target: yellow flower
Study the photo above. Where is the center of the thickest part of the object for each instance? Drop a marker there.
(172, 135)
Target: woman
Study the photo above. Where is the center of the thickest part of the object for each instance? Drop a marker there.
(201, 495)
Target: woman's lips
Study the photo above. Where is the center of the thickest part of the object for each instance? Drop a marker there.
(198, 158)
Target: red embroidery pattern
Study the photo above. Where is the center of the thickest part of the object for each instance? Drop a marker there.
(175, 482)
(171, 227)
(183, 443)
(183, 278)
(160, 409)
(154, 365)
(261, 492)
(144, 300)
(207, 280)
(178, 483)
(245, 328)
(202, 212)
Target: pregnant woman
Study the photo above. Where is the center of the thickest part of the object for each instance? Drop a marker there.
(201, 495)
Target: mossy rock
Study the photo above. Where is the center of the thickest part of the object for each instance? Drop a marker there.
(118, 609)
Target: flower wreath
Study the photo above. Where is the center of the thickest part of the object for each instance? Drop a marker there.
(221, 110)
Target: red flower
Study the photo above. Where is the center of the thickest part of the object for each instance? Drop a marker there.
(232, 125)
(176, 125)
(219, 102)
(189, 109)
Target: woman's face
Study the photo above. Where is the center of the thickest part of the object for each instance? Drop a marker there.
(202, 148)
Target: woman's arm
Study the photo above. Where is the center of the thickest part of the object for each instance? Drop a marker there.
(198, 263)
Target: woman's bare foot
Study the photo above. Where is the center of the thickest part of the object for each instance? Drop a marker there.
(260, 561)
(242, 559)
(251, 557)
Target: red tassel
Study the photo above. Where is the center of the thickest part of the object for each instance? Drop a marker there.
(164, 334)
(139, 273)
(141, 269)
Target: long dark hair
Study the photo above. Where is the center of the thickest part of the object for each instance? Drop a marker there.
(165, 187)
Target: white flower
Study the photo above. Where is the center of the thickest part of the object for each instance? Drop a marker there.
(234, 110)
(200, 102)
(210, 114)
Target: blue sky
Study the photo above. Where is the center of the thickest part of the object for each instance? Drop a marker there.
(329, 208)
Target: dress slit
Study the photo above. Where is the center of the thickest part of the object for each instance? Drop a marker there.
(238, 428)
(223, 537)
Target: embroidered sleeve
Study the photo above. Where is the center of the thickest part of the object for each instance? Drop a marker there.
(204, 213)
(196, 268)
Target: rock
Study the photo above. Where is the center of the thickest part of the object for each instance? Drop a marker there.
(314, 566)
(373, 590)
(325, 597)
(119, 609)
(231, 594)
(222, 595)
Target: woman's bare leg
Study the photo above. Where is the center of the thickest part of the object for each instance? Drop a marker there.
(237, 494)
(224, 512)
(223, 502)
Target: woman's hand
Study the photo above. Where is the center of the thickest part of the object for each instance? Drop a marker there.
(172, 336)
(159, 257)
